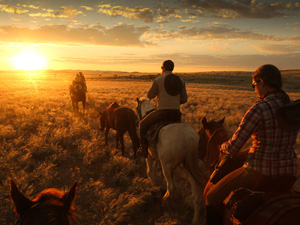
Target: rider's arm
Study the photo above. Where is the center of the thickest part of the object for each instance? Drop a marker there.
(153, 90)
(183, 94)
(247, 127)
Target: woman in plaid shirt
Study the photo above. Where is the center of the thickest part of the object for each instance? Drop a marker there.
(271, 159)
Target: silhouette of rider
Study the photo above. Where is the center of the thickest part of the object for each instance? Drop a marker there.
(171, 92)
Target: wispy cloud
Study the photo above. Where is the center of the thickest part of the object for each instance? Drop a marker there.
(86, 35)
(12, 9)
(139, 13)
(240, 8)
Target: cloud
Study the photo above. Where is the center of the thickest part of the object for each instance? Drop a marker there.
(240, 8)
(12, 9)
(119, 35)
(216, 32)
(86, 8)
(278, 48)
(139, 13)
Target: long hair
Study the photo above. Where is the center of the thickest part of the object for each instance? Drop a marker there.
(271, 76)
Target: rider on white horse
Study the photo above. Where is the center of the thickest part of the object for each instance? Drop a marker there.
(171, 92)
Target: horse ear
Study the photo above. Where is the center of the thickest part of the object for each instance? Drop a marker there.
(203, 122)
(21, 202)
(69, 196)
(138, 100)
(222, 120)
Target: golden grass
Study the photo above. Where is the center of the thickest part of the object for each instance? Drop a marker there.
(43, 144)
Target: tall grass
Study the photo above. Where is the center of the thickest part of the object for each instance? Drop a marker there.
(44, 144)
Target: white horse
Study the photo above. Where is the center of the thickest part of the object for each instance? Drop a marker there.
(177, 143)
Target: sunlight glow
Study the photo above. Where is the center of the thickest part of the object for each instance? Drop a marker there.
(29, 60)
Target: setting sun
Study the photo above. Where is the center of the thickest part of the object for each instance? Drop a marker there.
(29, 60)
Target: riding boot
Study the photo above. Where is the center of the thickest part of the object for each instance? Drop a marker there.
(213, 215)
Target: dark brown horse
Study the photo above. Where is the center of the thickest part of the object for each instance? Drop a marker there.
(121, 119)
(275, 208)
(77, 94)
(50, 207)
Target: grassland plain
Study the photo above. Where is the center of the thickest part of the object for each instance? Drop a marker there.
(44, 144)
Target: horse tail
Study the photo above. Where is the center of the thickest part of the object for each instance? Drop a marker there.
(192, 164)
(132, 128)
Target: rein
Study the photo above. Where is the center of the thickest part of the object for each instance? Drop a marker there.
(203, 135)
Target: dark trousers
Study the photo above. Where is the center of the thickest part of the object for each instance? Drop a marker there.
(214, 195)
(152, 118)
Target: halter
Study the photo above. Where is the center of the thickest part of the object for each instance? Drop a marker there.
(22, 217)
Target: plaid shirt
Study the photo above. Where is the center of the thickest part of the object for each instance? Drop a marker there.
(272, 151)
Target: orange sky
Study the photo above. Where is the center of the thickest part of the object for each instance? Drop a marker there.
(138, 35)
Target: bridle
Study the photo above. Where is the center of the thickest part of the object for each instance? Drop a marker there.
(23, 216)
(204, 136)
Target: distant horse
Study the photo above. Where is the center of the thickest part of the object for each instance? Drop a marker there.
(278, 206)
(177, 144)
(121, 119)
(50, 207)
(77, 94)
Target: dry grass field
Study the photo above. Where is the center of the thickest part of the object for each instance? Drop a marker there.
(44, 144)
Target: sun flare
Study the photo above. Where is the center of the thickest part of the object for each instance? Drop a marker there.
(29, 60)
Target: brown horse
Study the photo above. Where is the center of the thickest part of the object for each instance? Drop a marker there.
(77, 94)
(50, 207)
(121, 119)
(275, 208)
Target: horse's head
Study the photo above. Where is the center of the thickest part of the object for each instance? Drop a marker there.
(102, 121)
(50, 207)
(144, 107)
(212, 135)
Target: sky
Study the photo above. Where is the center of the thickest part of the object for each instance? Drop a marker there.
(138, 35)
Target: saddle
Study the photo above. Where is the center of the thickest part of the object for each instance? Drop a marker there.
(152, 133)
(242, 203)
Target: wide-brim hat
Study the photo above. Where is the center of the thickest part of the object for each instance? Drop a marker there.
(173, 84)
(288, 116)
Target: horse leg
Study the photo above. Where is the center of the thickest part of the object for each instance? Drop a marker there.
(106, 134)
(135, 141)
(196, 200)
(83, 105)
(121, 139)
(151, 169)
(168, 174)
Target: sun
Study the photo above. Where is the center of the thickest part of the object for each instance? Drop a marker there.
(29, 60)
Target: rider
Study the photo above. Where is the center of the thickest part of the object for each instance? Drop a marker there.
(80, 79)
(171, 92)
(271, 159)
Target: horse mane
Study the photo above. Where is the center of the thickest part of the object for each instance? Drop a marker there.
(113, 105)
(52, 202)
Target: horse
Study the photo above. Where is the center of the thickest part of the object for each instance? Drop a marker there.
(50, 207)
(77, 94)
(121, 119)
(274, 205)
(177, 144)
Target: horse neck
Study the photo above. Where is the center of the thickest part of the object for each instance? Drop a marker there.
(146, 107)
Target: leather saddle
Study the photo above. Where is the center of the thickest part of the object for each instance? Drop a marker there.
(153, 131)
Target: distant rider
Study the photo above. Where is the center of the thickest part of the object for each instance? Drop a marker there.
(80, 79)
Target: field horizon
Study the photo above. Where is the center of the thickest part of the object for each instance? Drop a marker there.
(45, 145)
